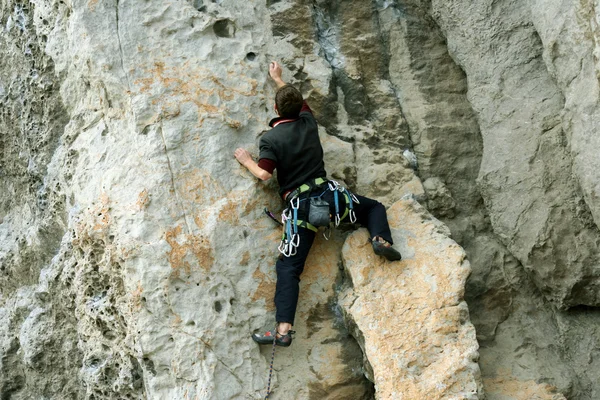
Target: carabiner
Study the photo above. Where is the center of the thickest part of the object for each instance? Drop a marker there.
(352, 216)
(284, 216)
(295, 240)
(281, 247)
(337, 208)
(351, 207)
(297, 205)
(329, 231)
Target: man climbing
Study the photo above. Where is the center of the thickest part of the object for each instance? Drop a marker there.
(293, 147)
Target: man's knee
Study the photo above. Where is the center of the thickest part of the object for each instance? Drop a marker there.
(289, 266)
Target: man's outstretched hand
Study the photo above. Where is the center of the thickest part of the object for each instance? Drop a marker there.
(244, 158)
(242, 155)
(275, 73)
(275, 70)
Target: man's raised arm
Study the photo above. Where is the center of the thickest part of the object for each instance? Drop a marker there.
(242, 155)
(275, 73)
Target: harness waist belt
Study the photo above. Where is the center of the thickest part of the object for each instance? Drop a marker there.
(312, 184)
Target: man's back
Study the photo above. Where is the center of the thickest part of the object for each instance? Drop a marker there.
(295, 148)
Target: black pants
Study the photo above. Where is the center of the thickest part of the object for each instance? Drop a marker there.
(369, 213)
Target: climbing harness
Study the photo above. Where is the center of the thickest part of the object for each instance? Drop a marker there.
(271, 366)
(289, 218)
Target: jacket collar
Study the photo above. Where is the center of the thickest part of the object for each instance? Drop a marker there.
(280, 120)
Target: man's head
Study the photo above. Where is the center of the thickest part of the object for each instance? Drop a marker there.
(288, 101)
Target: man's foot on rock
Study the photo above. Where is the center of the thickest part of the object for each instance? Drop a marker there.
(267, 338)
(383, 248)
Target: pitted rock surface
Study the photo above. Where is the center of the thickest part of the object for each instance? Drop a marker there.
(134, 256)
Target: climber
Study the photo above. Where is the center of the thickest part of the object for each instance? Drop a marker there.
(293, 147)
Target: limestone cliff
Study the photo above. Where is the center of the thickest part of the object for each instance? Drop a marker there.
(134, 256)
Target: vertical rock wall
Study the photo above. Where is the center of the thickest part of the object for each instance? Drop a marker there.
(34, 357)
(160, 263)
(535, 190)
(134, 258)
(536, 203)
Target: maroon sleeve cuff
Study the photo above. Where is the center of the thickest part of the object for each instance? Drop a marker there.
(305, 107)
(267, 165)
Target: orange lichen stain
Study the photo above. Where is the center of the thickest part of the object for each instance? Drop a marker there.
(507, 386)
(225, 91)
(265, 290)
(446, 320)
(100, 214)
(251, 204)
(229, 212)
(245, 259)
(234, 124)
(359, 245)
(194, 84)
(143, 199)
(92, 4)
(176, 321)
(274, 236)
(188, 252)
(168, 109)
(200, 218)
(199, 188)
(237, 205)
(136, 297)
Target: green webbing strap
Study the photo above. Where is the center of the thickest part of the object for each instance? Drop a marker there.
(305, 187)
(304, 224)
(346, 211)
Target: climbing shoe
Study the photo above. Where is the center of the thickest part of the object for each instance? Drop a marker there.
(280, 340)
(383, 248)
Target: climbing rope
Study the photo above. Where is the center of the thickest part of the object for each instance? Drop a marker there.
(271, 366)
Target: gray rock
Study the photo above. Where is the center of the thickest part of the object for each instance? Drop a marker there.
(134, 256)
(439, 198)
(536, 206)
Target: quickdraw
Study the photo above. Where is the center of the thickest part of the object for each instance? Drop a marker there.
(295, 203)
(350, 199)
(290, 239)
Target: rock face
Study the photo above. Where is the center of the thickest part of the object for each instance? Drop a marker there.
(134, 256)
(532, 181)
(539, 197)
(410, 317)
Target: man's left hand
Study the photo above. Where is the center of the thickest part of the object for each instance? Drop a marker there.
(242, 155)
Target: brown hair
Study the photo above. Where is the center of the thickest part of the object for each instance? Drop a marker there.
(288, 100)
